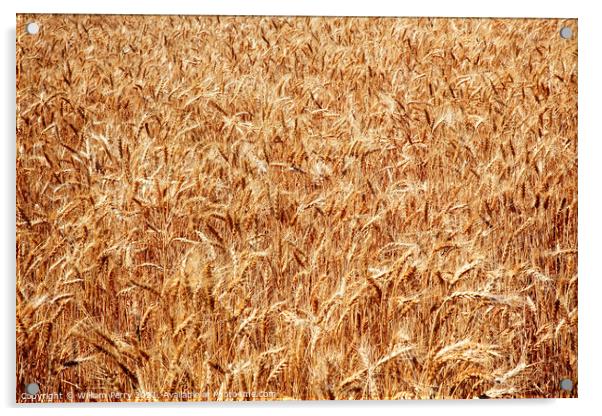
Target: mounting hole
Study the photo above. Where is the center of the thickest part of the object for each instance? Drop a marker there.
(566, 32)
(32, 388)
(32, 28)
(566, 384)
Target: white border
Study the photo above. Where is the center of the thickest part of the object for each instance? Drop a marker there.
(590, 176)
(509, 8)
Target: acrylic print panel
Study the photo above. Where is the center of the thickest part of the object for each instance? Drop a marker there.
(275, 208)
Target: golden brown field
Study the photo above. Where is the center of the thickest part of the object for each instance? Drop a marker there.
(296, 208)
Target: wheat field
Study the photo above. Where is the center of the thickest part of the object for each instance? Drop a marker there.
(295, 208)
